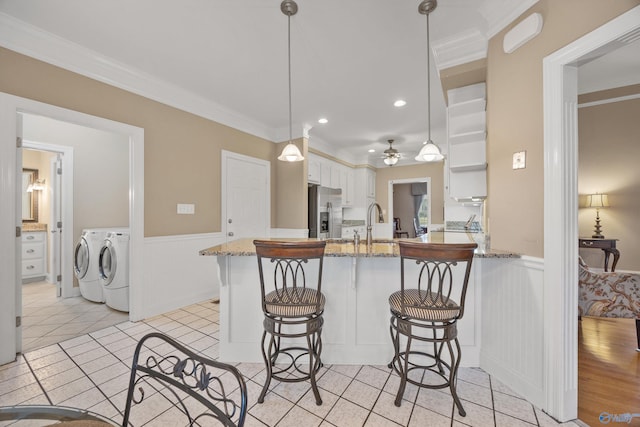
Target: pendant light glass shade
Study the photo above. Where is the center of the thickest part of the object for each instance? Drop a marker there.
(291, 153)
(429, 152)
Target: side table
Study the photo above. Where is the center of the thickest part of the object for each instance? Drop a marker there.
(608, 246)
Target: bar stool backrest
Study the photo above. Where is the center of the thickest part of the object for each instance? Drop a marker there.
(296, 266)
(437, 270)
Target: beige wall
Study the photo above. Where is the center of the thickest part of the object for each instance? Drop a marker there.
(292, 193)
(434, 171)
(182, 150)
(515, 118)
(609, 151)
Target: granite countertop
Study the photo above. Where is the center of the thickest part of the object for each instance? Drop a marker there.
(33, 226)
(379, 248)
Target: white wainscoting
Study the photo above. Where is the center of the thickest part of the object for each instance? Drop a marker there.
(513, 336)
(176, 275)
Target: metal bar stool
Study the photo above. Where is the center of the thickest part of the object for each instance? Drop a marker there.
(427, 315)
(292, 303)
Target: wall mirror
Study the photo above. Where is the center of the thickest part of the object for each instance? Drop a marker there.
(29, 199)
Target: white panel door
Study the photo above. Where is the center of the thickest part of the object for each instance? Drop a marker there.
(55, 222)
(245, 196)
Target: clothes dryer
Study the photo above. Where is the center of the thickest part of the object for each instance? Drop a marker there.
(85, 262)
(113, 270)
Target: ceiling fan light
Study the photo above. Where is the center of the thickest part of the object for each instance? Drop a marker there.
(291, 153)
(429, 153)
(390, 160)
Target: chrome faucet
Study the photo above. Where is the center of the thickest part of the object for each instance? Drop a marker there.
(380, 219)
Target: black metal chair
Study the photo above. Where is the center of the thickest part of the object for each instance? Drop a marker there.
(292, 303)
(199, 387)
(428, 315)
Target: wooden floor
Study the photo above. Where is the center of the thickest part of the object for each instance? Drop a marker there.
(608, 370)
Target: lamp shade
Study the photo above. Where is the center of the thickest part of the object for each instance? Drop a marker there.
(598, 201)
(429, 153)
(291, 153)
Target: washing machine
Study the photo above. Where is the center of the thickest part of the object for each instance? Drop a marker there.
(113, 269)
(85, 262)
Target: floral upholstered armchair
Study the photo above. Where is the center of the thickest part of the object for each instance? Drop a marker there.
(609, 294)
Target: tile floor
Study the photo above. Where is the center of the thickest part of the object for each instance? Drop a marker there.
(91, 371)
(47, 319)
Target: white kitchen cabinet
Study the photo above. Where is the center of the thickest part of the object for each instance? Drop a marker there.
(336, 171)
(34, 251)
(313, 170)
(466, 131)
(347, 184)
(371, 183)
(325, 173)
(364, 191)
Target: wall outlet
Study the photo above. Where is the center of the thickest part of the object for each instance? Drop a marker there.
(186, 208)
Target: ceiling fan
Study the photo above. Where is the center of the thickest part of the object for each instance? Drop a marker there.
(392, 155)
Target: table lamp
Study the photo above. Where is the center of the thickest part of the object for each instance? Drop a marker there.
(598, 201)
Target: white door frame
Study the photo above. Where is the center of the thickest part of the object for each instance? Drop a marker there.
(225, 156)
(406, 181)
(66, 215)
(561, 212)
(10, 279)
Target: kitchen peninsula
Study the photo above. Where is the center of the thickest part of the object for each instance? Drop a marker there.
(357, 282)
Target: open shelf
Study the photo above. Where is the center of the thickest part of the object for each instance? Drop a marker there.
(468, 168)
(468, 107)
(463, 138)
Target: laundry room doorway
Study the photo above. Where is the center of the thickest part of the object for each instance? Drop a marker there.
(12, 110)
(54, 306)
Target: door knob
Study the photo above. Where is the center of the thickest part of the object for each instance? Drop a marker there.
(230, 233)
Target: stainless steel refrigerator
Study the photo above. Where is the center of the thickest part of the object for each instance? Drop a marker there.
(325, 212)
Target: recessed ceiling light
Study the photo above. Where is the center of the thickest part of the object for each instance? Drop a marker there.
(323, 120)
(371, 150)
(400, 103)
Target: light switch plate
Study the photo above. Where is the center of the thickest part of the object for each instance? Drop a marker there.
(519, 160)
(186, 208)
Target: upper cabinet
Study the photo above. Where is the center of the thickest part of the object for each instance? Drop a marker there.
(365, 187)
(313, 170)
(329, 173)
(466, 131)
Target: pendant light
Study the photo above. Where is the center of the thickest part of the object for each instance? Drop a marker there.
(430, 151)
(291, 153)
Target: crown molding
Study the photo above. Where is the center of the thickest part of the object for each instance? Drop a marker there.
(500, 13)
(31, 41)
(468, 46)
